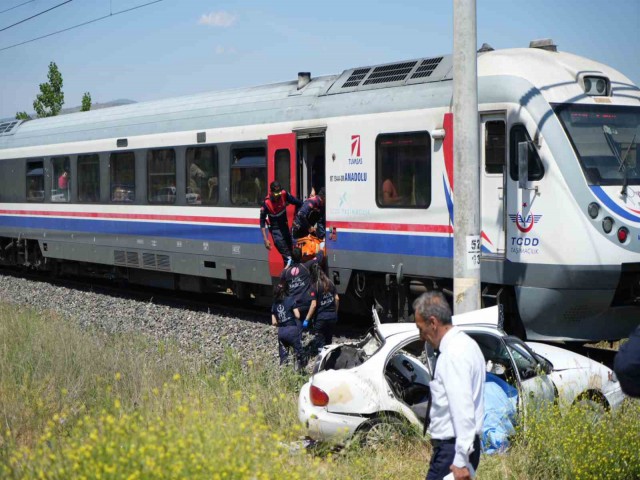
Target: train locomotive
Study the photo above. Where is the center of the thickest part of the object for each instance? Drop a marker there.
(166, 193)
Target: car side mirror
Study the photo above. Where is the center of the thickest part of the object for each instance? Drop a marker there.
(523, 164)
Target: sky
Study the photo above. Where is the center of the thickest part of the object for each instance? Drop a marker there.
(180, 47)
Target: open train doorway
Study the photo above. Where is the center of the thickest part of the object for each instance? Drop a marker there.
(311, 162)
(297, 161)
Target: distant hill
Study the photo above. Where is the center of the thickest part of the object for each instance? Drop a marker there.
(94, 106)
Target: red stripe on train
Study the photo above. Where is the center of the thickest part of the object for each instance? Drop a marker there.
(397, 227)
(243, 221)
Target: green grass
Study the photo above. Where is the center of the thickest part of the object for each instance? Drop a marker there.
(84, 404)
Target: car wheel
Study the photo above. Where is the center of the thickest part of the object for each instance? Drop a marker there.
(594, 404)
(377, 431)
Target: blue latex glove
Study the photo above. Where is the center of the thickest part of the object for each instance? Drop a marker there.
(305, 324)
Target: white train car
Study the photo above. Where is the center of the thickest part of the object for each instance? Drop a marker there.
(166, 193)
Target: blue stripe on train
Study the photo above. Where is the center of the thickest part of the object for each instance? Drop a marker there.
(372, 242)
(604, 198)
(221, 233)
(391, 243)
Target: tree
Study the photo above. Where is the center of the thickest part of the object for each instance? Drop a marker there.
(86, 102)
(22, 116)
(49, 101)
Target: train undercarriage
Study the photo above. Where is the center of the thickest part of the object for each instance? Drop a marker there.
(391, 293)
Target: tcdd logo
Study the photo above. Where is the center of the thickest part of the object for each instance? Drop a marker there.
(525, 224)
(355, 145)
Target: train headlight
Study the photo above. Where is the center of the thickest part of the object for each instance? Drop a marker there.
(623, 234)
(607, 224)
(596, 86)
(594, 209)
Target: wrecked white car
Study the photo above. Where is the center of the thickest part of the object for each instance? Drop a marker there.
(360, 387)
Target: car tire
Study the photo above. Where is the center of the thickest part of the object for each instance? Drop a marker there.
(593, 402)
(382, 429)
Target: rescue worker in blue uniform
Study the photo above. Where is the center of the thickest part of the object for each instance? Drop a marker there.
(285, 316)
(274, 212)
(324, 307)
(297, 276)
(311, 217)
(627, 365)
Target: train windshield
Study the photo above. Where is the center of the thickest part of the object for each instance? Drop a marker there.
(605, 139)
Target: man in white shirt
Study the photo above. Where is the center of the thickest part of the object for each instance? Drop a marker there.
(457, 390)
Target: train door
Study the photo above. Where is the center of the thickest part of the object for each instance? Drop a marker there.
(281, 166)
(492, 184)
(311, 162)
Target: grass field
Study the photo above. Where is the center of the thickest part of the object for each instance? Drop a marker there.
(84, 404)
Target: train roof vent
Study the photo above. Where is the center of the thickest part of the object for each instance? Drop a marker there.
(393, 75)
(356, 77)
(390, 73)
(426, 68)
(10, 127)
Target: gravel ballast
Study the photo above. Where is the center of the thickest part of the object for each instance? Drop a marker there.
(201, 333)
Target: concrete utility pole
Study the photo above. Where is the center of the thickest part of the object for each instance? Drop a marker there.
(466, 195)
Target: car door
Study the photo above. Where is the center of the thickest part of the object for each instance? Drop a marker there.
(537, 387)
(407, 375)
(410, 360)
(513, 362)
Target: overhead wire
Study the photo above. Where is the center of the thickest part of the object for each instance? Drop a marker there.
(80, 25)
(36, 15)
(16, 6)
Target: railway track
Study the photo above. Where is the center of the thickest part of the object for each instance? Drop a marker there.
(225, 304)
(217, 303)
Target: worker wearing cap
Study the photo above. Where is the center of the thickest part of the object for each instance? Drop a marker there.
(274, 213)
(310, 219)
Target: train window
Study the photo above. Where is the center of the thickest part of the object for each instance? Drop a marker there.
(60, 184)
(88, 178)
(403, 170)
(283, 168)
(536, 169)
(202, 172)
(123, 177)
(495, 151)
(605, 139)
(35, 181)
(161, 171)
(248, 176)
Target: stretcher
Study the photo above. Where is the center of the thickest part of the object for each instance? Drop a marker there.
(310, 246)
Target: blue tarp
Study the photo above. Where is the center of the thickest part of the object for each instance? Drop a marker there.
(500, 409)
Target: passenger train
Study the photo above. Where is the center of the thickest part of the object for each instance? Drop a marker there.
(167, 193)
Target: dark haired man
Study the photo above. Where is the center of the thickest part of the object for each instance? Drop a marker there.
(274, 212)
(310, 218)
(457, 389)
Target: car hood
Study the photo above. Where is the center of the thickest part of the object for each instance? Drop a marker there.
(564, 359)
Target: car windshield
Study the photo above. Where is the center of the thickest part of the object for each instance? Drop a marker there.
(605, 139)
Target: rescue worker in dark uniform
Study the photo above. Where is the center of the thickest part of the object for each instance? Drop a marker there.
(298, 278)
(627, 365)
(285, 316)
(324, 307)
(274, 210)
(311, 217)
